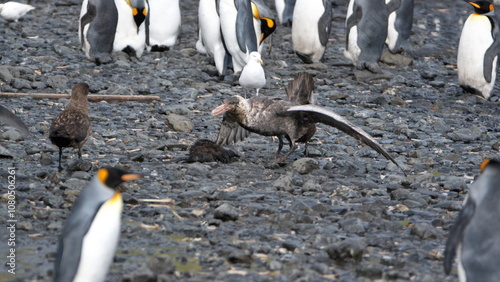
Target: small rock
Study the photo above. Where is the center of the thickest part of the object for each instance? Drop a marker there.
(12, 135)
(141, 274)
(179, 123)
(305, 165)
(226, 212)
(347, 250)
(162, 265)
(424, 231)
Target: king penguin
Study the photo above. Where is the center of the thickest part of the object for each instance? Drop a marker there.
(475, 238)
(366, 31)
(478, 50)
(164, 22)
(285, 8)
(91, 232)
(311, 28)
(237, 26)
(210, 35)
(107, 26)
(399, 25)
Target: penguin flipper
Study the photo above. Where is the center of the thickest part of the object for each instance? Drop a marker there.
(393, 5)
(456, 234)
(352, 20)
(10, 119)
(245, 32)
(69, 250)
(492, 51)
(325, 23)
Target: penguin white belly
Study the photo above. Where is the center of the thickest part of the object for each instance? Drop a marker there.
(127, 34)
(164, 22)
(280, 7)
(474, 41)
(392, 33)
(85, 44)
(210, 33)
(305, 36)
(99, 244)
(353, 50)
(228, 12)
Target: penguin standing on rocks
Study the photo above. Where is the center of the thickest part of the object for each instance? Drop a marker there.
(237, 26)
(91, 232)
(366, 31)
(107, 26)
(399, 25)
(478, 50)
(164, 22)
(210, 36)
(72, 127)
(475, 238)
(311, 28)
(285, 11)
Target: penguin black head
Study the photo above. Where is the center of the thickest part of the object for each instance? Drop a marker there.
(267, 26)
(112, 177)
(482, 6)
(139, 11)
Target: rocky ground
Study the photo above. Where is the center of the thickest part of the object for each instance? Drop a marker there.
(342, 213)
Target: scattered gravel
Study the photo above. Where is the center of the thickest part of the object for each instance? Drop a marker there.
(343, 213)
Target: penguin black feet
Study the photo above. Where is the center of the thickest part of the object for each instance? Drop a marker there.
(306, 58)
(159, 48)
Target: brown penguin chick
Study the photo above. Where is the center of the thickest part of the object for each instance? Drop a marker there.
(284, 119)
(71, 127)
(207, 151)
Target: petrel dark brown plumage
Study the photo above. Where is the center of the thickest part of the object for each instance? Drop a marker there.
(294, 120)
(71, 127)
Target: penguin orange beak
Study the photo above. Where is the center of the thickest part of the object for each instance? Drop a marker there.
(130, 176)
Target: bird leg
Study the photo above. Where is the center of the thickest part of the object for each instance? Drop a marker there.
(79, 153)
(280, 146)
(293, 147)
(60, 156)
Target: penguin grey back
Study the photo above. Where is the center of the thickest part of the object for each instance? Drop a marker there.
(475, 233)
(403, 23)
(76, 226)
(370, 16)
(102, 15)
(245, 32)
(288, 12)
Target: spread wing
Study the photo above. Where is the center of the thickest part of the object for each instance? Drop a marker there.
(300, 89)
(456, 234)
(10, 119)
(319, 114)
(230, 131)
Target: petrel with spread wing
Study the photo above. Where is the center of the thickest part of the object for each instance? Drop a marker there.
(294, 119)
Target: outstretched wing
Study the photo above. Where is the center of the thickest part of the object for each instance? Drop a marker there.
(230, 131)
(10, 119)
(300, 89)
(319, 114)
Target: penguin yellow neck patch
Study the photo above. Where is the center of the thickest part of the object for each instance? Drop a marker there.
(255, 11)
(484, 164)
(103, 174)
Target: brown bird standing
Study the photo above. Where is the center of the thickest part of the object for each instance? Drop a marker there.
(71, 127)
(294, 120)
